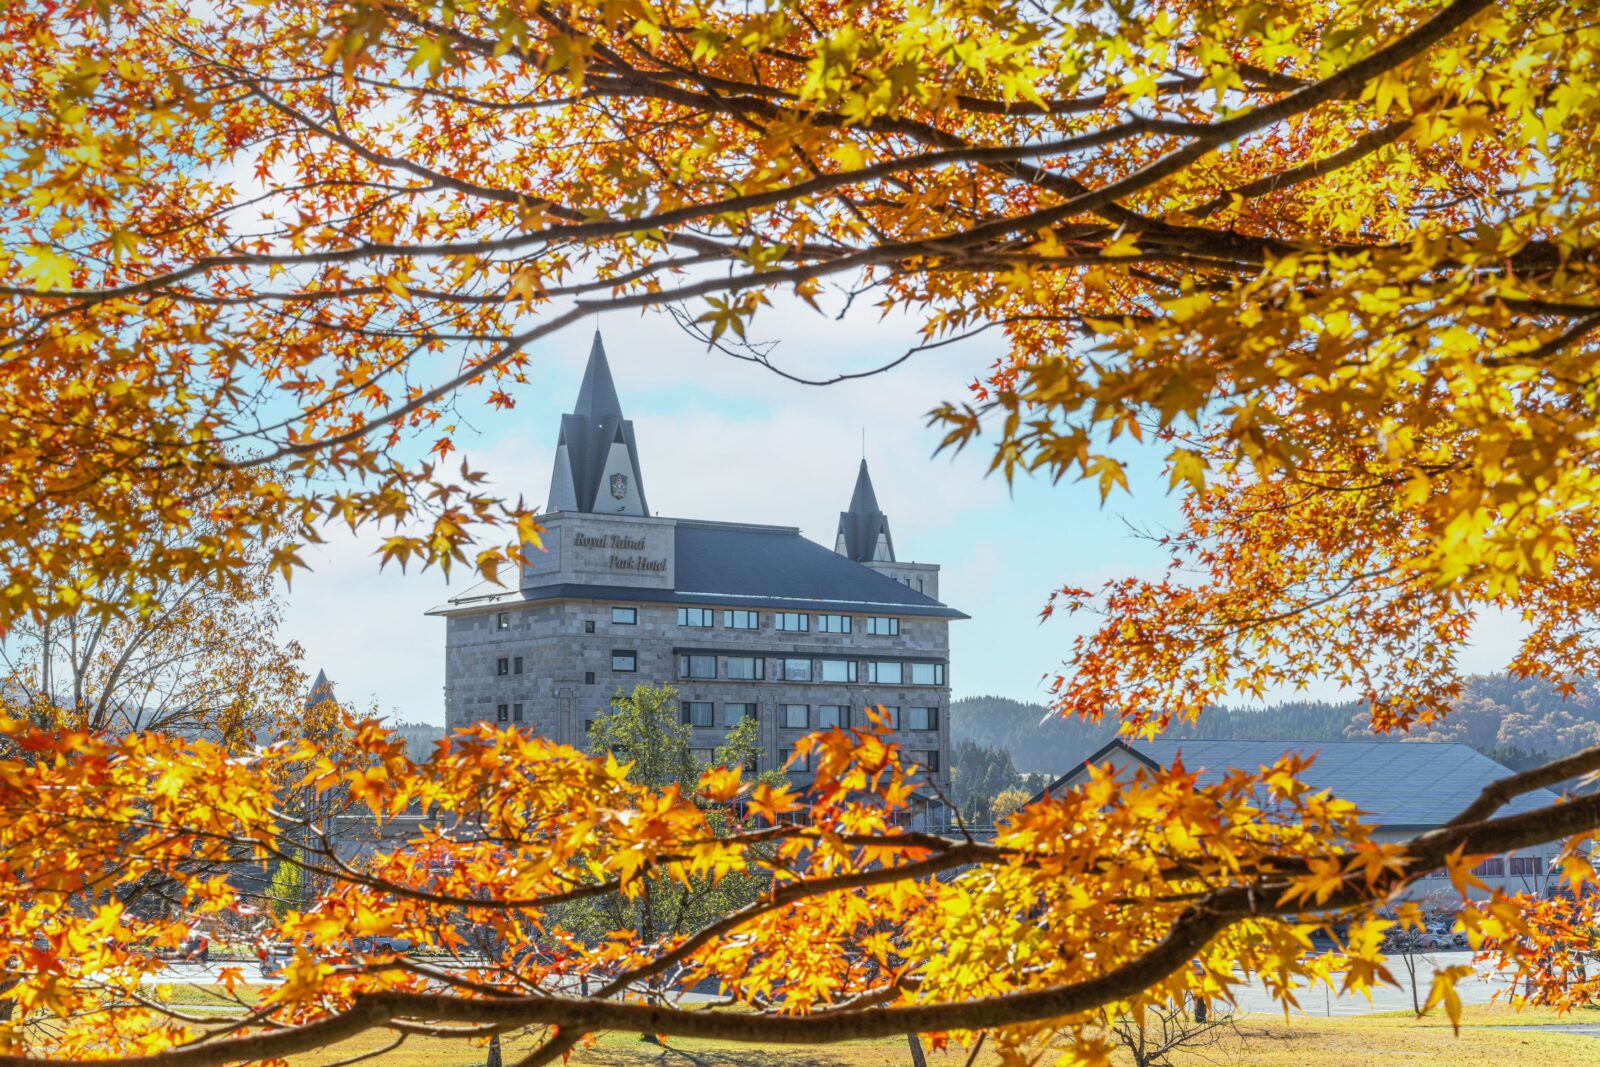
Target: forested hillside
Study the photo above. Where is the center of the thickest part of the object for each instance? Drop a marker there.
(1513, 720)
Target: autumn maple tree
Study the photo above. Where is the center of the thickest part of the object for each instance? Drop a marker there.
(1336, 261)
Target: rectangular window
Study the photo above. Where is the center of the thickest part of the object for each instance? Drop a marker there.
(1491, 868)
(624, 661)
(747, 668)
(885, 672)
(833, 624)
(698, 617)
(516, 665)
(830, 716)
(624, 616)
(793, 621)
(883, 625)
(502, 666)
(516, 713)
(1524, 866)
(794, 670)
(588, 677)
(741, 620)
(734, 714)
(927, 674)
(697, 713)
(502, 712)
(929, 760)
(922, 718)
(836, 670)
(703, 757)
(588, 626)
(697, 666)
(796, 716)
(890, 714)
(801, 764)
(502, 621)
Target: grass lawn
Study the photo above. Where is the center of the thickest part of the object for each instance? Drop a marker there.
(1263, 1041)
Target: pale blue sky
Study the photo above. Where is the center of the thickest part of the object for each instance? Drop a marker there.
(720, 439)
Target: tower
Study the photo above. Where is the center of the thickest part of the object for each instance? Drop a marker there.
(597, 458)
(864, 538)
(864, 529)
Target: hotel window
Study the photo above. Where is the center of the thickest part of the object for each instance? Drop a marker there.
(797, 716)
(794, 621)
(502, 666)
(516, 665)
(833, 624)
(734, 714)
(703, 757)
(699, 617)
(885, 672)
(502, 621)
(697, 713)
(883, 625)
(927, 674)
(890, 714)
(588, 677)
(836, 670)
(831, 715)
(747, 668)
(697, 666)
(625, 616)
(1524, 866)
(624, 661)
(502, 712)
(588, 626)
(801, 764)
(922, 718)
(516, 713)
(1491, 868)
(929, 760)
(794, 670)
(741, 620)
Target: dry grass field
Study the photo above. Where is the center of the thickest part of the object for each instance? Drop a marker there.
(1489, 1038)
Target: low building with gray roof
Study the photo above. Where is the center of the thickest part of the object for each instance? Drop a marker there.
(1402, 788)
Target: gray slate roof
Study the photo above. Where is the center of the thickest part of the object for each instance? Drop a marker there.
(723, 564)
(1398, 784)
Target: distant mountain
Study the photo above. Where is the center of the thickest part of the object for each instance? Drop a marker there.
(1516, 721)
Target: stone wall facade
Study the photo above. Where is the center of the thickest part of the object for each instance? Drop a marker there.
(562, 659)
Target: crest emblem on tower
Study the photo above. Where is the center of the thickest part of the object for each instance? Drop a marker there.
(596, 452)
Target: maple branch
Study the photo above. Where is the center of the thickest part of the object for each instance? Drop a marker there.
(1187, 935)
(1498, 793)
(1362, 146)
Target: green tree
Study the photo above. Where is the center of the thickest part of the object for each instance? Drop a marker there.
(644, 729)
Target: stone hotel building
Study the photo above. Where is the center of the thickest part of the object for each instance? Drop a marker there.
(745, 621)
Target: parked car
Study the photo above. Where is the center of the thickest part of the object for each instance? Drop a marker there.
(276, 955)
(195, 948)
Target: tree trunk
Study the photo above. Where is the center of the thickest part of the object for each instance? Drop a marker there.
(918, 1057)
(494, 1052)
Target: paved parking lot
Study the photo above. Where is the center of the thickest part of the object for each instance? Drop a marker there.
(1254, 998)
(1475, 989)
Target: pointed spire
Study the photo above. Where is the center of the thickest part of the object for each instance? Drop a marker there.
(864, 529)
(321, 690)
(864, 501)
(597, 459)
(597, 396)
